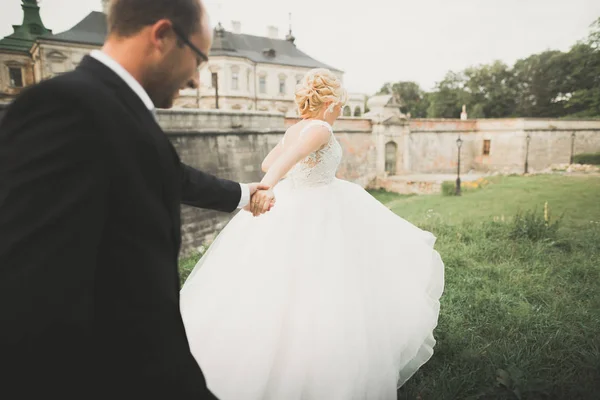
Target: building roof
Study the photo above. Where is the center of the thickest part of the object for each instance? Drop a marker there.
(262, 49)
(92, 30)
(25, 35)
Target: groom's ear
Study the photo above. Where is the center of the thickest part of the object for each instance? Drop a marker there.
(162, 35)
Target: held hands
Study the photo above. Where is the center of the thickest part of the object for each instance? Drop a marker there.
(262, 199)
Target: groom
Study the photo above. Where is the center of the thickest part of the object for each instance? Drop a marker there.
(90, 193)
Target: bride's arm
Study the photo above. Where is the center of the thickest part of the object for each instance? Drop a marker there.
(307, 143)
(271, 157)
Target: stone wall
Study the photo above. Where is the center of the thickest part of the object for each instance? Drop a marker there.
(551, 140)
(432, 143)
(232, 145)
(228, 145)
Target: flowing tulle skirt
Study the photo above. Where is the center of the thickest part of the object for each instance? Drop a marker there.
(328, 296)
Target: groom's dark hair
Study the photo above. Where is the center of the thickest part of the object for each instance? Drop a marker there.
(128, 17)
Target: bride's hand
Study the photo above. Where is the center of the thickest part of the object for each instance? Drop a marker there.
(253, 187)
(261, 202)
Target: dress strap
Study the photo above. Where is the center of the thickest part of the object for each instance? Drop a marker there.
(316, 122)
(310, 124)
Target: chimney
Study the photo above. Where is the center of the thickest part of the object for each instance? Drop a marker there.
(236, 27)
(105, 6)
(290, 37)
(272, 32)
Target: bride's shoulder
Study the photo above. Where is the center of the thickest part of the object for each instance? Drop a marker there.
(312, 130)
(314, 126)
(315, 129)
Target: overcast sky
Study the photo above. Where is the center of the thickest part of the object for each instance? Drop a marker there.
(384, 40)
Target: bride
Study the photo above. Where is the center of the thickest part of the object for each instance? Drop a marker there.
(328, 296)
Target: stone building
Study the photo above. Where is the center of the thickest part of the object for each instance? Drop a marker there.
(355, 107)
(248, 72)
(17, 65)
(245, 72)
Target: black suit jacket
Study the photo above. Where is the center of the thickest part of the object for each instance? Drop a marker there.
(90, 194)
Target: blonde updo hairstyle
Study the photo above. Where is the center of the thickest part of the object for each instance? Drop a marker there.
(318, 87)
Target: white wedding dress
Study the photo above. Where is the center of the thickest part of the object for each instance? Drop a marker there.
(329, 296)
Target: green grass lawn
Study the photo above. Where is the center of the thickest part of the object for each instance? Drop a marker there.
(577, 196)
(520, 315)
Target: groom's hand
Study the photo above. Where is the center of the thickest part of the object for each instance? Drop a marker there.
(261, 202)
(253, 205)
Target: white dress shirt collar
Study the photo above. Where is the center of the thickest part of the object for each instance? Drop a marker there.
(126, 76)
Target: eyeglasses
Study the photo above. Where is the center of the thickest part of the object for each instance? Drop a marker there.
(202, 57)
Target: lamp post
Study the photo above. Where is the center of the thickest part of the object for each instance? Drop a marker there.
(572, 147)
(527, 140)
(459, 143)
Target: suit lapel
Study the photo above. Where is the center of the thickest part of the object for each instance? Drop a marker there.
(124, 93)
(168, 158)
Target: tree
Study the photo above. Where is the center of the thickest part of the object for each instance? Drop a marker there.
(548, 84)
(541, 83)
(594, 36)
(448, 97)
(491, 91)
(412, 98)
(583, 86)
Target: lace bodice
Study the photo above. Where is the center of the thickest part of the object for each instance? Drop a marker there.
(320, 167)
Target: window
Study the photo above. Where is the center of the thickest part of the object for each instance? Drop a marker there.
(486, 147)
(15, 76)
(298, 79)
(281, 85)
(249, 78)
(262, 84)
(390, 158)
(357, 111)
(58, 62)
(347, 111)
(234, 80)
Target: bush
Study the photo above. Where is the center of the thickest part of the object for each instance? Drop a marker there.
(593, 159)
(534, 226)
(449, 187)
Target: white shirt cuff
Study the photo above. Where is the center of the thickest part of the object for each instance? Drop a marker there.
(245, 198)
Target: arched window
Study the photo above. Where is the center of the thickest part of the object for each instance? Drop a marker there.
(390, 157)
